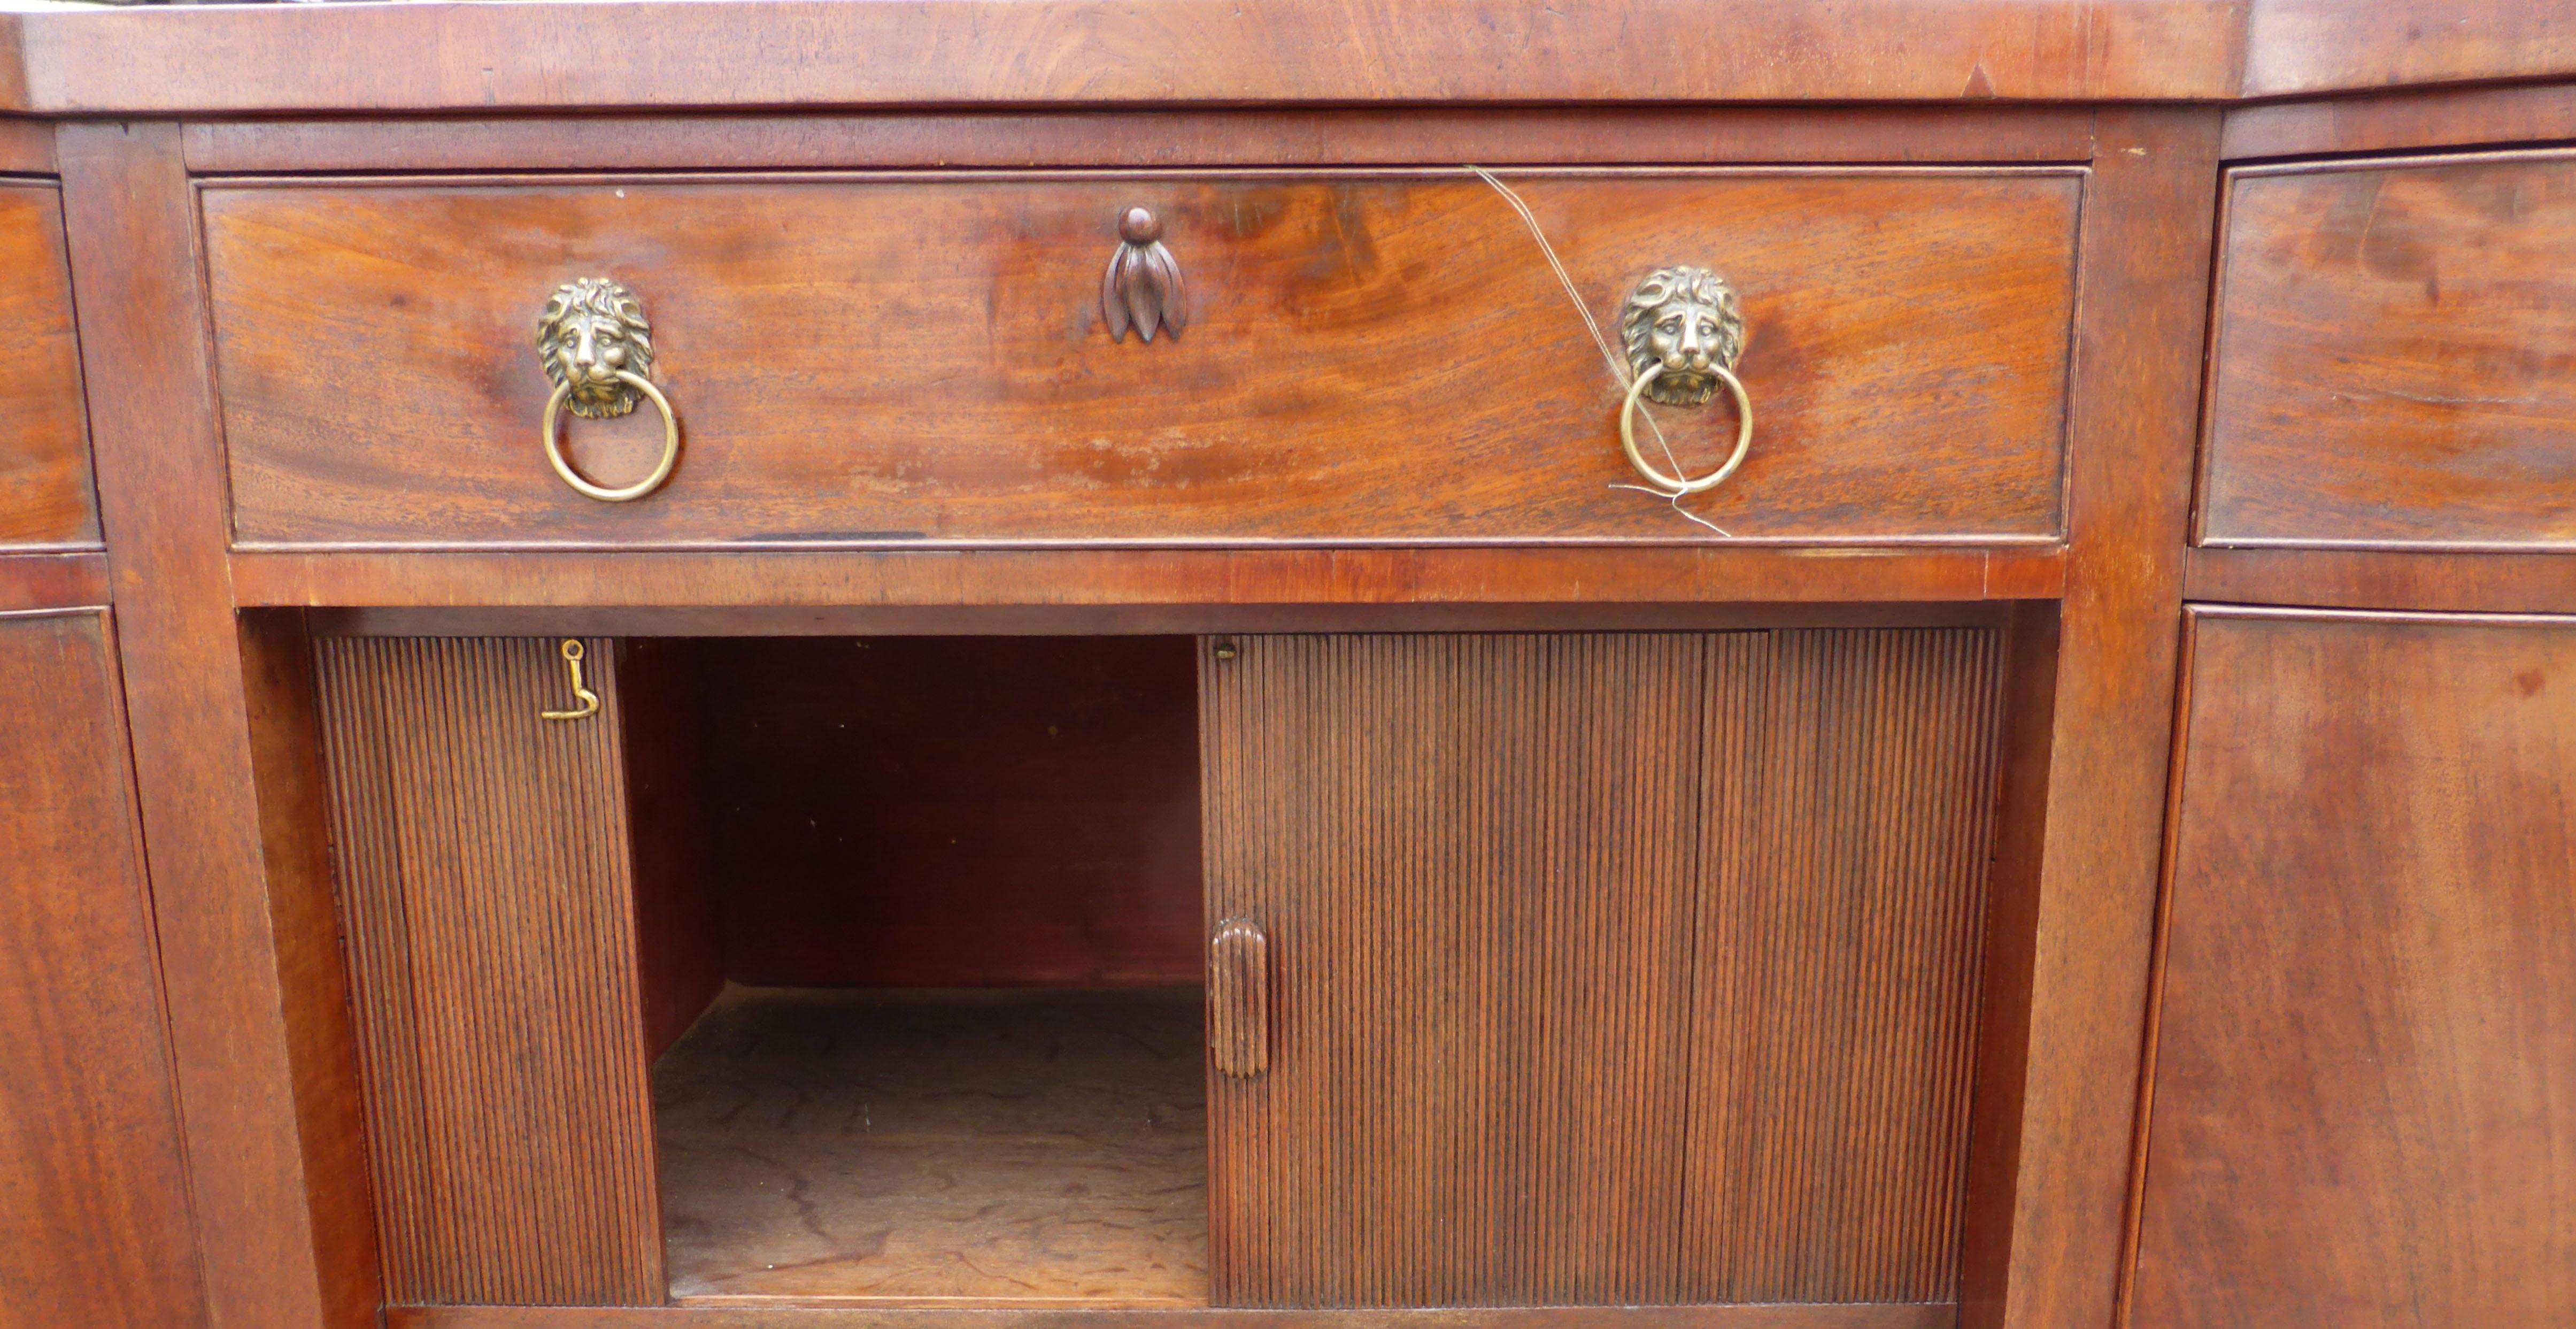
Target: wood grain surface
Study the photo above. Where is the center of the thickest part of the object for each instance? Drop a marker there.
(1486, 865)
(2362, 1107)
(1847, 813)
(2045, 1218)
(1054, 52)
(53, 581)
(26, 146)
(1156, 137)
(95, 1229)
(2412, 119)
(45, 495)
(2388, 367)
(855, 791)
(2384, 579)
(1445, 579)
(249, 956)
(1021, 1149)
(2294, 47)
(1370, 359)
(487, 883)
(1180, 1317)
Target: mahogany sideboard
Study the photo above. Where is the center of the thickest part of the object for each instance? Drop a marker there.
(951, 664)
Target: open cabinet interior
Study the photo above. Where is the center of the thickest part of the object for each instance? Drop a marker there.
(927, 1013)
(1611, 968)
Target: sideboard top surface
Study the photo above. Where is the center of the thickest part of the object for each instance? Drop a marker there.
(405, 58)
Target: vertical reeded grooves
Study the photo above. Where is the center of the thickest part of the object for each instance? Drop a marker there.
(486, 888)
(1836, 986)
(1609, 968)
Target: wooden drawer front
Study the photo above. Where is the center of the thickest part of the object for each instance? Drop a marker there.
(45, 497)
(2395, 362)
(1369, 358)
(2365, 1078)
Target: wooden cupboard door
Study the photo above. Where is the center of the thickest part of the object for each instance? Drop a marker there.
(95, 1230)
(487, 878)
(2364, 1107)
(1612, 968)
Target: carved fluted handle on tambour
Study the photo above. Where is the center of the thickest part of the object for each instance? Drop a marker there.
(1238, 987)
(1143, 287)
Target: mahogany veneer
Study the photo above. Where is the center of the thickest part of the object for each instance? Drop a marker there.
(1656, 914)
(95, 1228)
(45, 498)
(2362, 1109)
(1370, 359)
(2390, 363)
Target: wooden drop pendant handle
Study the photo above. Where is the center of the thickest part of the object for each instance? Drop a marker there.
(1239, 998)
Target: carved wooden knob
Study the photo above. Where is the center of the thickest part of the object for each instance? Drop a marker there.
(1142, 288)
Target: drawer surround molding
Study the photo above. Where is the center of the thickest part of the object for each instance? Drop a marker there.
(289, 439)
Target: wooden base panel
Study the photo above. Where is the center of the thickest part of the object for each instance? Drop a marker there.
(1925, 1316)
(1012, 1148)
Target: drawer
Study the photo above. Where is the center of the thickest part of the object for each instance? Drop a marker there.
(1368, 358)
(2395, 363)
(45, 497)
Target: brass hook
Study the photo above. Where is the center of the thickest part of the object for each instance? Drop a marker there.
(589, 700)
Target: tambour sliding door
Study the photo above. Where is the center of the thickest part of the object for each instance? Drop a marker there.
(1607, 968)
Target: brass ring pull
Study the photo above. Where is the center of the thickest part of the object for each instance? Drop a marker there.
(670, 442)
(589, 700)
(1673, 485)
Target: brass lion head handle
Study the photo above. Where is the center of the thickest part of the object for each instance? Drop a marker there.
(1683, 330)
(595, 344)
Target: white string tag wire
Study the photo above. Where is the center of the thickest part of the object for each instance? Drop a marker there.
(1618, 367)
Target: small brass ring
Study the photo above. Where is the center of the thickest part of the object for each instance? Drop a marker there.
(670, 443)
(1674, 485)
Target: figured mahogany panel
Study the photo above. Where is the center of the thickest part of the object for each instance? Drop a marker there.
(856, 790)
(1370, 357)
(1057, 52)
(2364, 1108)
(45, 494)
(1849, 804)
(2391, 365)
(488, 889)
(1625, 969)
(95, 1230)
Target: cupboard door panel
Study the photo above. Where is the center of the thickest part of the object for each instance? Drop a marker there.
(94, 1224)
(2365, 1082)
(1606, 969)
(487, 881)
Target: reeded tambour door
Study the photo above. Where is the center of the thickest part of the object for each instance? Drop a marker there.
(1600, 968)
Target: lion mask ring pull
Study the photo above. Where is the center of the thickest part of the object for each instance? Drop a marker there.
(596, 346)
(1683, 331)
